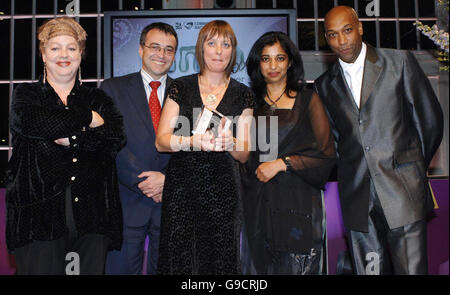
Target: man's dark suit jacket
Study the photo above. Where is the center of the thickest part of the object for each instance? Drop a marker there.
(391, 139)
(140, 153)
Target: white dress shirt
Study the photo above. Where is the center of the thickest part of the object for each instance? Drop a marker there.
(353, 73)
(146, 79)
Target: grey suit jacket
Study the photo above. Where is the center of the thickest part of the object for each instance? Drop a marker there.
(390, 140)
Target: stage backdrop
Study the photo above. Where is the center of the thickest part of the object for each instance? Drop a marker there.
(122, 32)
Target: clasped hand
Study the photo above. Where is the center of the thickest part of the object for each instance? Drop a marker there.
(267, 170)
(223, 142)
(96, 121)
(152, 185)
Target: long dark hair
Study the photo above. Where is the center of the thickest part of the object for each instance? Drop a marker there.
(295, 73)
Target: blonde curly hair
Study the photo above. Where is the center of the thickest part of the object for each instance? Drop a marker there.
(61, 26)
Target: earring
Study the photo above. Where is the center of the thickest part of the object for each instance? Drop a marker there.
(79, 75)
(45, 74)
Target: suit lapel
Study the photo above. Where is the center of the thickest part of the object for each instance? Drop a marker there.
(341, 87)
(372, 71)
(138, 99)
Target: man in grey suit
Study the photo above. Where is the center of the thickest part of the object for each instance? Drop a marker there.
(139, 97)
(387, 124)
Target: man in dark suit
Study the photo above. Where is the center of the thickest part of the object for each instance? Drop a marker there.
(139, 97)
(387, 124)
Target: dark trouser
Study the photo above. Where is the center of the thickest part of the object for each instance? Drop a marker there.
(49, 257)
(54, 257)
(129, 260)
(401, 250)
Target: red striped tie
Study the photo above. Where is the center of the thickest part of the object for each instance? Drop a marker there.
(154, 105)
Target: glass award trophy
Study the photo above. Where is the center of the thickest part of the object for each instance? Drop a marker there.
(210, 120)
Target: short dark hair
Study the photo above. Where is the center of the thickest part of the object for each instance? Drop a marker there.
(295, 73)
(221, 28)
(163, 27)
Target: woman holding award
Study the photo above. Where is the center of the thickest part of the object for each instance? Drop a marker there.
(199, 220)
(283, 201)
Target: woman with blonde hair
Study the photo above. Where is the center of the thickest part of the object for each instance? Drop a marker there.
(200, 220)
(62, 193)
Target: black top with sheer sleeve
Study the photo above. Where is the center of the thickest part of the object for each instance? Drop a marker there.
(275, 209)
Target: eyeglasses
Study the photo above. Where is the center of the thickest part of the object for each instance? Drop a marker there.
(156, 48)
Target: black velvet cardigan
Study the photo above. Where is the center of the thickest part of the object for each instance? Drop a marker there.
(40, 171)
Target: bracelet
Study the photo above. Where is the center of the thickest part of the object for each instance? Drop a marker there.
(287, 161)
(182, 146)
(177, 143)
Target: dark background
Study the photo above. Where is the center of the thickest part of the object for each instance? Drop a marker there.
(21, 69)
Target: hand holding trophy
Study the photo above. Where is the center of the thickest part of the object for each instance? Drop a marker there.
(212, 131)
(224, 141)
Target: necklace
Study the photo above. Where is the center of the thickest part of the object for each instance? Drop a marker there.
(273, 106)
(211, 98)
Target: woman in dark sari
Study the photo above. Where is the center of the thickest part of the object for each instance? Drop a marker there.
(283, 181)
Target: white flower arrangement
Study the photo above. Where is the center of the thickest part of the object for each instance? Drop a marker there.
(439, 37)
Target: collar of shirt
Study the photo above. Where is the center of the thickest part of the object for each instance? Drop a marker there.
(353, 73)
(146, 79)
(49, 90)
(358, 64)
